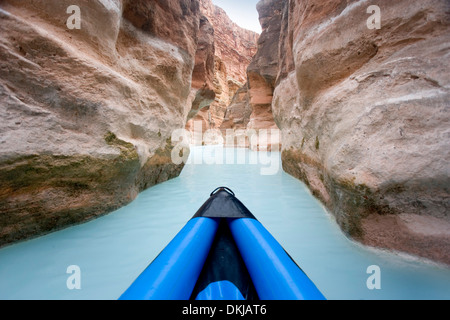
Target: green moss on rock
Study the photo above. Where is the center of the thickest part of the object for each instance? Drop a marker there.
(43, 193)
(128, 150)
(349, 202)
(159, 167)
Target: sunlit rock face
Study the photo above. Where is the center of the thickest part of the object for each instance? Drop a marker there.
(364, 114)
(87, 114)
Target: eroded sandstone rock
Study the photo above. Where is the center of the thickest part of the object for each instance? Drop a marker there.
(263, 70)
(202, 89)
(365, 116)
(261, 79)
(234, 49)
(87, 114)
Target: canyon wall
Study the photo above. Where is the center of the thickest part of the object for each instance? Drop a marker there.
(251, 109)
(365, 113)
(87, 114)
(262, 71)
(233, 49)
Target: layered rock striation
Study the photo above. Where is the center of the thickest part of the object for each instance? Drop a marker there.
(87, 114)
(263, 70)
(251, 108)
(234, 48)
(364, 115)
(203, 89)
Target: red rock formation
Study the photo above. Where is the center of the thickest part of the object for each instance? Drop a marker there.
(263, 70)
(239, 112)
(171, 20)
(234, 49)
(364, 113)
(87, 114)
(261, 76)
(203, 74)
(235, 46)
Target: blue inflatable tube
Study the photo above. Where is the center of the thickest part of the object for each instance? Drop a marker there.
(274, 274)
(223, 253)
(174, 273)
(220, 290)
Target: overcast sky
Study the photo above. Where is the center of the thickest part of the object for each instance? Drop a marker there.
(243, 12)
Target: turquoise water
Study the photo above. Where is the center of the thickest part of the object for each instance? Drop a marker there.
(113, 250)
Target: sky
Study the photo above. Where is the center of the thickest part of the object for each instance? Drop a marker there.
(242, 12)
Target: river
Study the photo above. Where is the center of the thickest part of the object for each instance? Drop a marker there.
(111, 251)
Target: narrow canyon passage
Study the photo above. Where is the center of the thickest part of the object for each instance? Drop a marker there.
(103, 102)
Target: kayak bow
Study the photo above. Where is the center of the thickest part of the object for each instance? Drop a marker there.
(223, 253)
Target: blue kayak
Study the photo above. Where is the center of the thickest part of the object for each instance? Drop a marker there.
(223, 253)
